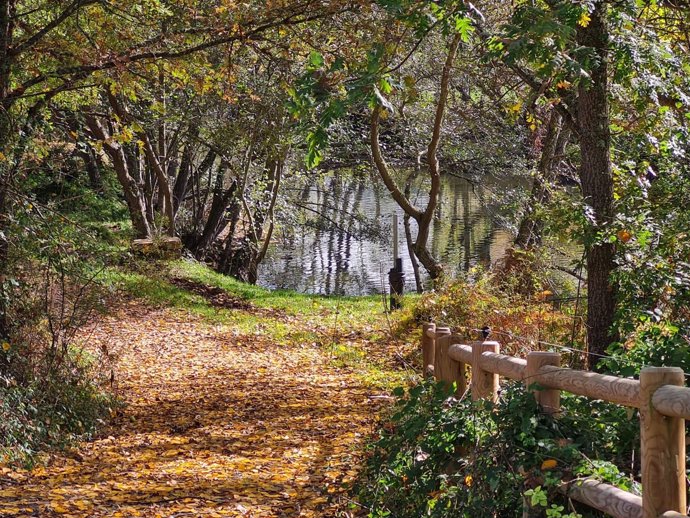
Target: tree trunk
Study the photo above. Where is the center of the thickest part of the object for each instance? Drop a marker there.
(408, 232)
(130, 187)
(426, 217)
(225, 260)
(88, 155)
(6, 11)
(275, 176)
(216, 220)
(384, 171)
(165, 193)
(422, 251)
(6, 30)
(257, 239)
(243, 262)
(531, 227)
(155, 164)
(597, 185)
(182, 179)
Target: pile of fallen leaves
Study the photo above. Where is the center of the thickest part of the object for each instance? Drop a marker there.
(216, 423)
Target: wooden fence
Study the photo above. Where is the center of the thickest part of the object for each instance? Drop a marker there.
(659, 394)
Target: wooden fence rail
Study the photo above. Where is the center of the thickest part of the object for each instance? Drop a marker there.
(659, 394)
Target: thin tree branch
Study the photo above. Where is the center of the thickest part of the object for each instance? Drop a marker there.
(384, 170)
(53, 24)
(79, 72)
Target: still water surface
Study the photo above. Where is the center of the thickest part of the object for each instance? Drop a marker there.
(341, 241)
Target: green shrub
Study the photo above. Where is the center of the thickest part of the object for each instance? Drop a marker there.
(441, 457)
(52, 414)
(659, 344)
(49, 389)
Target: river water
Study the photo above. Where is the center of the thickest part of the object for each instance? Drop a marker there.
(338, 239)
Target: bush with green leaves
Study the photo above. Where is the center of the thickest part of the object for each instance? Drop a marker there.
(660, 344)
(52, 386)
(653, 274)
(440, 457)
(36, 415)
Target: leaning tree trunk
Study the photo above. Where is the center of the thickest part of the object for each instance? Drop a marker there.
(181, 187)
(217, 219)
(5, 129)
(272, 189)
(425, 217)
(421, 248)
(408, 233)
(260, 240)
(224, 264)
(597, 185)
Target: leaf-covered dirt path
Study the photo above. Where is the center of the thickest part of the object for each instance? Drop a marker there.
(217, 423)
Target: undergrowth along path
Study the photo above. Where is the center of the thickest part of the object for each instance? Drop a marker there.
(231, 409)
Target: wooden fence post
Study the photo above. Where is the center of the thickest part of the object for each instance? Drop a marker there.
(484, 383)
(441, 359)
(428, 346)
(459, 369)
(549, 399)
(449, 369)
(663, 447)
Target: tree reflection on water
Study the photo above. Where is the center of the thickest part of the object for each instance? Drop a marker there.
(340, 242)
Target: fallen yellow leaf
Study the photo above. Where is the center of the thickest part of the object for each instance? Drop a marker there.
(58, 508)
(549, 464)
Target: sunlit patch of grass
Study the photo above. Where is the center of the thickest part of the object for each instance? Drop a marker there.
(354, 309)
(347, 355)
(302, 336)
(158, 291)
(370, 371)
(278, 331)
(385, 379)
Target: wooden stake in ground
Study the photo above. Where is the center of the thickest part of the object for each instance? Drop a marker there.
(663, 447)
(549, 399)
(428, 347)
(484, 384)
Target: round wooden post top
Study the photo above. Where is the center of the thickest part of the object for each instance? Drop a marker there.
(659, 370)
(544, 354)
